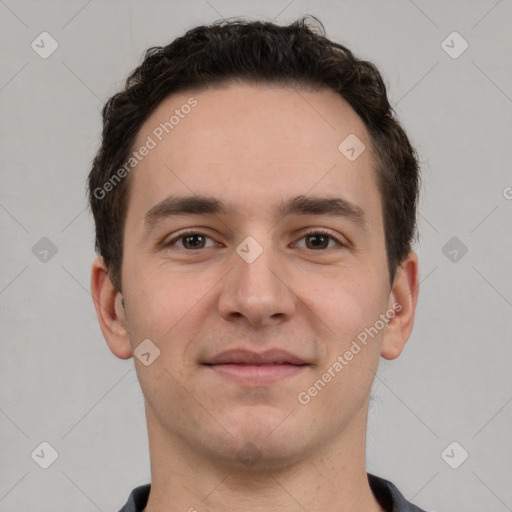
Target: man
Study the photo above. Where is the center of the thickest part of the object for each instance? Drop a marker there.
(255, 201)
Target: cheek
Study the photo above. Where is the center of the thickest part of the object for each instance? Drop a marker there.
(163, 308)
(347, 310)
(350, 345)
(166, 306)
(346, 301)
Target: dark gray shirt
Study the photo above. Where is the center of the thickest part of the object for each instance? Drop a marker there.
(388, 496)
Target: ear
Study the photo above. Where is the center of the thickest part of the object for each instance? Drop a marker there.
(402, 299)
(111, 315)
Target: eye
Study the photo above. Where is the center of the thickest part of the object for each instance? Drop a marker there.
(190, 240)
(194, 240)
(319, 240)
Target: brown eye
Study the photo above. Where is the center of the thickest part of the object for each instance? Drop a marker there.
(318, 240)
(191, 241)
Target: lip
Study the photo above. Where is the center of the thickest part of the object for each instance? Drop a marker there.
(252, 368)
(247, 357)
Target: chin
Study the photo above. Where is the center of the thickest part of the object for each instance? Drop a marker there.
(268, 444)
(262, 454)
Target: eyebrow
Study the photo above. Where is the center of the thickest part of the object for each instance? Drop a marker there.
(298, 205)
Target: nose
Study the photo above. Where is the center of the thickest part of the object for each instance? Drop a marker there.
(257, 292)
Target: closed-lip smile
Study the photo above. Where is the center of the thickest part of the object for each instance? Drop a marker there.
(256, 368)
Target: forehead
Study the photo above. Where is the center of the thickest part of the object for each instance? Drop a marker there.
(252, 142)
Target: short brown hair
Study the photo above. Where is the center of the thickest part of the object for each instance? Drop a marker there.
(254, 52)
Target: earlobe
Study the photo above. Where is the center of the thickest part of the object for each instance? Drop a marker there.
(402, 299)
(110, 311)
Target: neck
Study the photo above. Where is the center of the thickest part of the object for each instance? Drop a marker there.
(332, 478)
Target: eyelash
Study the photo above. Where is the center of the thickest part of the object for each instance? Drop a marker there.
(309, 233)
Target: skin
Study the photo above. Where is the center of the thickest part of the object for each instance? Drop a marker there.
(254, 146)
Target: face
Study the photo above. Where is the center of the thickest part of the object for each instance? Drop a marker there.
(280, 246)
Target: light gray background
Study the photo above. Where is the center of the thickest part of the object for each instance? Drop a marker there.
(61, 384)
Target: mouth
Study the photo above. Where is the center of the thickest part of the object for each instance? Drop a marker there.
(258, 369)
